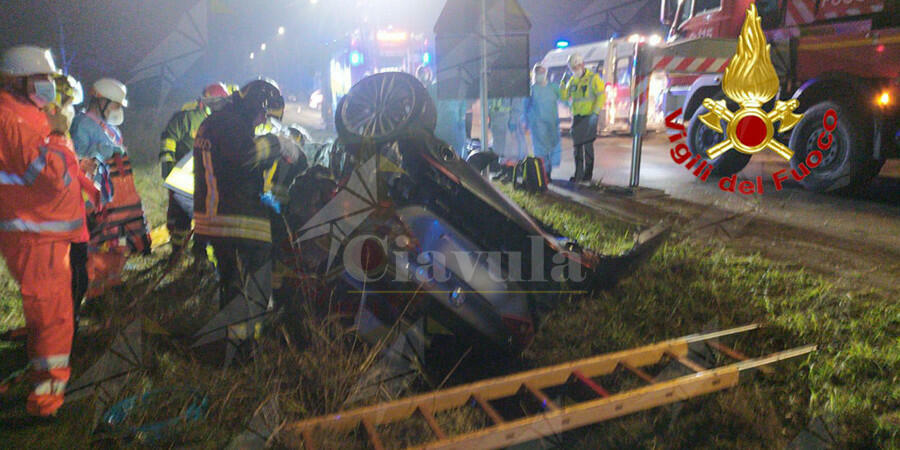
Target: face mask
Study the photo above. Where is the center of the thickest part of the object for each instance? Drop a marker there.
(215, 103)
(44, 93)
(69, 112)
(540, 77)
(578, 72)
(116, 117)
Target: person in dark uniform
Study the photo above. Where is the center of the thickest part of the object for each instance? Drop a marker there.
(177, 141)
(228, 186)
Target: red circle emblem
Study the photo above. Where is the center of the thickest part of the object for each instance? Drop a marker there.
(751, 131)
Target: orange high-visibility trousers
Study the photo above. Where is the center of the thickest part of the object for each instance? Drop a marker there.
(45, 281)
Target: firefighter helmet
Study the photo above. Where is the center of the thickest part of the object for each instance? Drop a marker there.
(262, 96)
(215, 90)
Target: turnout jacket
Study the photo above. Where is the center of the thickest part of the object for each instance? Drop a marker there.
(178, 137)
(228, 177)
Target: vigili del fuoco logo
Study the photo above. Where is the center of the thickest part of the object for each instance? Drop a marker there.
(750, 81)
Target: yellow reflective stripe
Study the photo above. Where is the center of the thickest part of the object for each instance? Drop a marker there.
(849, 43)
(248, 222)
(167, 157)
(168, 145)
(181, 178)
(234, 226)
(269, 176)
(212, 191)
(263, 147)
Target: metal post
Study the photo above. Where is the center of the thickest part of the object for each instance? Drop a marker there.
(484, 72)
(639, 82)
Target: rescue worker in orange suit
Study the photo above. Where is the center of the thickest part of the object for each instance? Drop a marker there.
(178, 141)
(41, 212)
(228, 187)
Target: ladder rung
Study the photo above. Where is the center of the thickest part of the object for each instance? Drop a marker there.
(734, 354)
(429, 417)
(638, 371)
(373, 435)
(496, 388)
(590, 383)
(686, 362)
(541, 397)
(488, 409)
(308, 442)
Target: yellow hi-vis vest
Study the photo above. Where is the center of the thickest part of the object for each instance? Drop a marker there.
(181, 178)
(587, 93)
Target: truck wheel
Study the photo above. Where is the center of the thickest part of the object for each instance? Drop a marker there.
(700, 138)
(848, 163)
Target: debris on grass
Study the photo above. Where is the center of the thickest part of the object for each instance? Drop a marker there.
(689, 285)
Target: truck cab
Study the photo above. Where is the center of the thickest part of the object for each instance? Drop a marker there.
(713, 18)
(837, 54)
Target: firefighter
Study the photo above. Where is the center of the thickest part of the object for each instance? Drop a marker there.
(94, 132)
(41, 212)
(542, 116)
(178, 141)
(587, 94)
(228, 187)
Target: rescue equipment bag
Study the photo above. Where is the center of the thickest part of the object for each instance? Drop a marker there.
(530, 175)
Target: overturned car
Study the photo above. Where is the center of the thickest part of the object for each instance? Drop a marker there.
(389, 226)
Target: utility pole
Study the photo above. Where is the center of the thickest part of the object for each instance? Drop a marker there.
(484, 74)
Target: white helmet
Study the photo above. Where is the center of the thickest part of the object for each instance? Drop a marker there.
(575, 59)
(26, 60)
(112, 90)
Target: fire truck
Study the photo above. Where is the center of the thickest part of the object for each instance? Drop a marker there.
(612, 60)
(374, 51)
(829, 54)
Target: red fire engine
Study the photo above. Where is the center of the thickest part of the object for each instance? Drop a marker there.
(829, 54)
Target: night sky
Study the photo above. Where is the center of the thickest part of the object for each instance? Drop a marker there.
(112, 37)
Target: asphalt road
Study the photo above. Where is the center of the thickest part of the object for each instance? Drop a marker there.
(850, 237)
(872, 214)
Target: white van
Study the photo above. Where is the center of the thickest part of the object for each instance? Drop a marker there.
(612, 60)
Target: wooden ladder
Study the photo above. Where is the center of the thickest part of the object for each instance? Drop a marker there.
(552, 419)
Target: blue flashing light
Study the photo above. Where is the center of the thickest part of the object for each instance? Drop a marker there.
(356, 58)
(426, 58)
(562, 43)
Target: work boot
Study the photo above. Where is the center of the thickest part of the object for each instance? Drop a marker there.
(43, 405)
(46, 398)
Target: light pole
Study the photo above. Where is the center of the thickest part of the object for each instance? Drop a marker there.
(484, 72)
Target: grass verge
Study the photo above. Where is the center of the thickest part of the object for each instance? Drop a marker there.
(687, 287)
